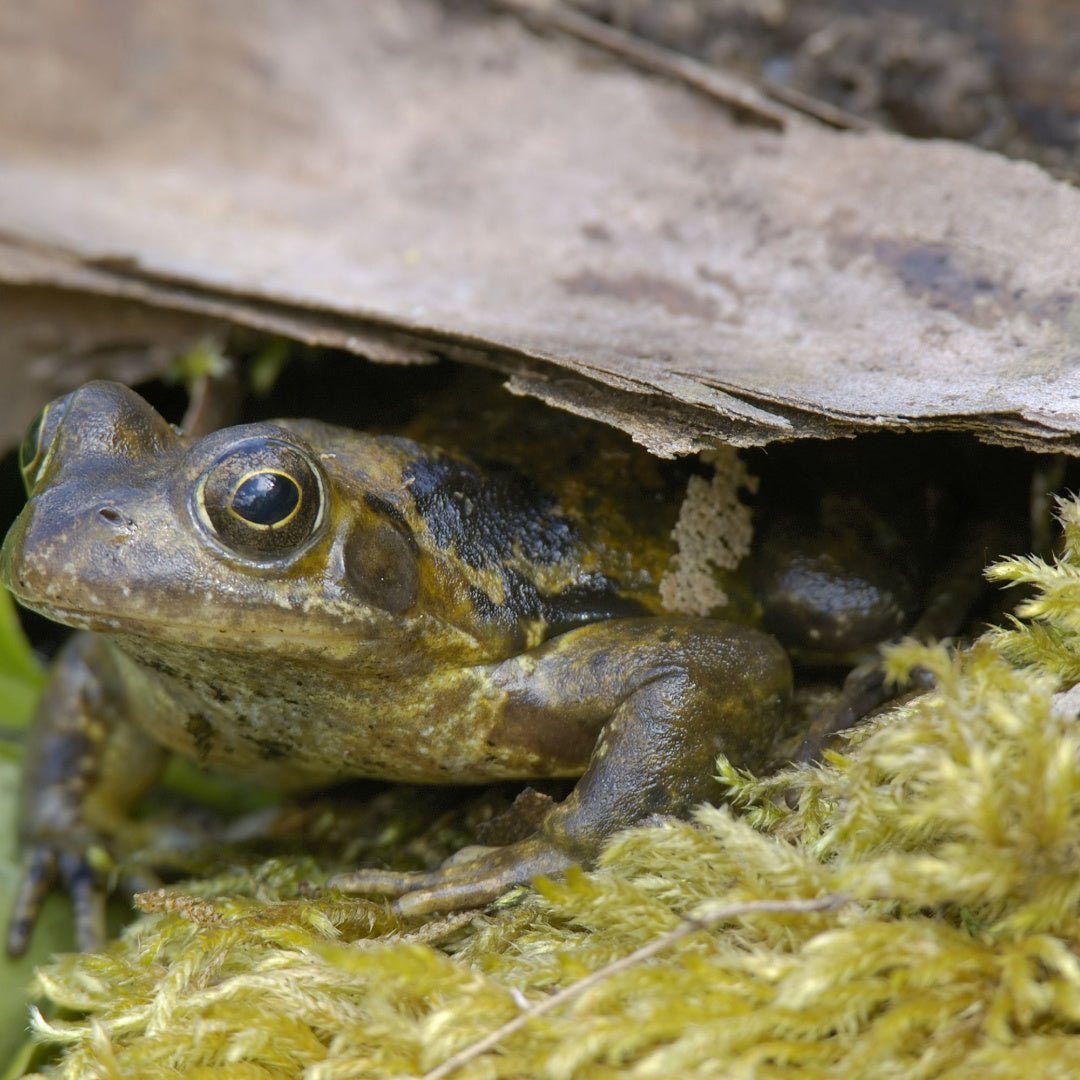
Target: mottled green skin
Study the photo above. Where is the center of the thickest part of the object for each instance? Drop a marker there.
(433, 622)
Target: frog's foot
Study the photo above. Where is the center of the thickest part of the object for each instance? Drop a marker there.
(44, 868)
(86, 765)
(85, 877)
(865, 689)
(472, 878)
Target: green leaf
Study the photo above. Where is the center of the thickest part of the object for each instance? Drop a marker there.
(21, 675)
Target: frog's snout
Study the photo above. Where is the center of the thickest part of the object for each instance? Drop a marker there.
(59, 546)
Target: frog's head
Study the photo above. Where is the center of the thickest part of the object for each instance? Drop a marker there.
(234, 541)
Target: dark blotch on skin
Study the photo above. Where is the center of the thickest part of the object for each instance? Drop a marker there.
(588, 601)
(488, 517)
(202, 734)
(162, 668)
(522, 601)
(505, 615)
(271, 749)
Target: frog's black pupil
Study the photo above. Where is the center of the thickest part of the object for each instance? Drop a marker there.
(266, 498)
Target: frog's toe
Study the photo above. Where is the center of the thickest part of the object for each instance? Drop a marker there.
(39, 875)
(87, 900)
(462, 883)
(43, 869)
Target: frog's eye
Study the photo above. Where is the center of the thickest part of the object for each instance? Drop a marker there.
(34, 449)
(261, 499)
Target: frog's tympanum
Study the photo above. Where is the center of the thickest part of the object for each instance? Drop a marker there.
(301, 604)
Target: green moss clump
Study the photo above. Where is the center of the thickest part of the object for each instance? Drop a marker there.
(1049, 639)
(951, 825)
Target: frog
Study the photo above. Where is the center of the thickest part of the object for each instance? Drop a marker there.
(300, 604)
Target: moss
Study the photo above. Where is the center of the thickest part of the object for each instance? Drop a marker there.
(947, 830)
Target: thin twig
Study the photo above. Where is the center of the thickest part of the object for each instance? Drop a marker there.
(707, 917)
(730, 91)
(818, 108)
(760, 102)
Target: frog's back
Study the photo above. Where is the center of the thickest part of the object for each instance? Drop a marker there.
(621, 501)
(525, 522)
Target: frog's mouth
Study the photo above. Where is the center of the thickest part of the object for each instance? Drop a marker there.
(80, 619)
(323, 647)
(97, 619)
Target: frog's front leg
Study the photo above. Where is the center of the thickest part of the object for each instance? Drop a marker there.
(657, 699)
(86, 765)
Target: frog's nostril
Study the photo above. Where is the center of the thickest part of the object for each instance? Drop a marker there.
(113, 516)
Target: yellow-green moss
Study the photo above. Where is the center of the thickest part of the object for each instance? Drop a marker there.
(951, 825)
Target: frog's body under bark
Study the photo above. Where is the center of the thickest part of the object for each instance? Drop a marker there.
(301, 604)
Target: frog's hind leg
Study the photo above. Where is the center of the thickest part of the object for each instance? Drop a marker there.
(657, 699)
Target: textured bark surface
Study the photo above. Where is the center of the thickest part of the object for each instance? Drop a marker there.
(404, 179)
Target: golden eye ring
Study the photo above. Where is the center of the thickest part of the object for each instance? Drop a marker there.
(261, 499)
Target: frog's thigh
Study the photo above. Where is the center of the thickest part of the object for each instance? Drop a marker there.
(673, 695)
(86, 765)
(656, 700)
